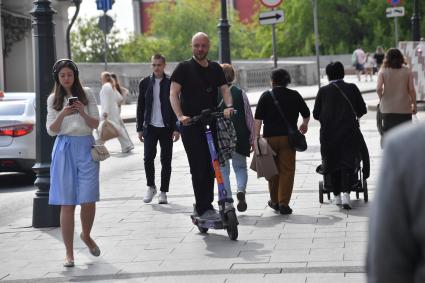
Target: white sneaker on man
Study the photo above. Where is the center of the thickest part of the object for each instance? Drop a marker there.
(162, 198)
(150, 193)
(346, 201)
(337, 200)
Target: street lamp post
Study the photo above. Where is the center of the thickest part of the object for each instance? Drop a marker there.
(44, 215)
(316, 40)
(223, 32)
(416, 22)
(68, 29)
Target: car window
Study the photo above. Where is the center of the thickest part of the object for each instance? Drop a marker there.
(12, 108)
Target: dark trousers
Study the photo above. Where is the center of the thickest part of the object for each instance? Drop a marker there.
(165, 137)
(340, 181)
(198, 155)
(391, 120)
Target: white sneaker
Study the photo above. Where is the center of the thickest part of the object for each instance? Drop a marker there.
(346, 201)
(150, 193)
(162, 198)
(337, 200)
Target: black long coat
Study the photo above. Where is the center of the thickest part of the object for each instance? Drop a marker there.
(340, 137)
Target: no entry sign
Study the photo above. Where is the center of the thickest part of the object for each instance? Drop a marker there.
(271, 3)
(394, 2)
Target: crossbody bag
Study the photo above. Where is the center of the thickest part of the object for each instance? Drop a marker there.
(295, 138)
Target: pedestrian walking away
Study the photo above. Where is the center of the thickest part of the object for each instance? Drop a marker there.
(156, 121)
(396, 91)
(121, 90)
(276, 133)
(244, 126)
(72, 115)
(194, 87)
(109, 100)
(379, 58)
(358, 59)
(338, 106)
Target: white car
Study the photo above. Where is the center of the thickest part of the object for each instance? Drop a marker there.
(17, 132)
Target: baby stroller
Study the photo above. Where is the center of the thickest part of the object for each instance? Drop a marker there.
(357, 179)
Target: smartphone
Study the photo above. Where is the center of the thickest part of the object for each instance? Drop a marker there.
(71, 100)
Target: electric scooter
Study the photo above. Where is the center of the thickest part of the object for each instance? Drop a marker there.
(228, 219)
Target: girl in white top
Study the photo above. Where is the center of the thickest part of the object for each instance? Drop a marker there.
(74, 175)
(109, 101)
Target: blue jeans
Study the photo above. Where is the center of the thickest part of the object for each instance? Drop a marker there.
(239, 166)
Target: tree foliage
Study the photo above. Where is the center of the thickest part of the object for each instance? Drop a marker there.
(343, 25)
(87, 42)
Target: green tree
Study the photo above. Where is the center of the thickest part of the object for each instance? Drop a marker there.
(87, 42)
(174, 24)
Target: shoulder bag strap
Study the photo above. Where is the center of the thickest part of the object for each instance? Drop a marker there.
(279, 109)
(346, 98)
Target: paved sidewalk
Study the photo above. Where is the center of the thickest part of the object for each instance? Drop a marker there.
(158, 243)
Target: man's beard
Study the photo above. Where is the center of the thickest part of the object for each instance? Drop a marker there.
(200, 57)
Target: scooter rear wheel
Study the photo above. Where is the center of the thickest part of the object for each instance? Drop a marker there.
(232, 228)
(203, 230)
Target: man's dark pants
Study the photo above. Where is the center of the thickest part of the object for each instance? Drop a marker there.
(165, 137)
(202, 172)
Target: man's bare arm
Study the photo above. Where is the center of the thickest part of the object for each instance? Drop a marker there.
(175, 89)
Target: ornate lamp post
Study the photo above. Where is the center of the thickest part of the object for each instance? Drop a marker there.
(416, 22)
(223, 33)
(68, 30)
(44, 215)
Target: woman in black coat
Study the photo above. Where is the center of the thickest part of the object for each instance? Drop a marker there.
(338, 105)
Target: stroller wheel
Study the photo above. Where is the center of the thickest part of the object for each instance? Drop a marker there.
(365, 191)
(321, 191)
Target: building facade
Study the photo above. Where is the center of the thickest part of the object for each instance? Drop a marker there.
(16, 40)
(142, 21)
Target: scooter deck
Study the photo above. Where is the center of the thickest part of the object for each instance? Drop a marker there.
(209, 224)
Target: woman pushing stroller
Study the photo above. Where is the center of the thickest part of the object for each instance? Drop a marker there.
(338, 107)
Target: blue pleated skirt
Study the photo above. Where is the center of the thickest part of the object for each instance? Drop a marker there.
(74, 175)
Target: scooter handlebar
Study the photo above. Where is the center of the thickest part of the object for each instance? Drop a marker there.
(205, 116)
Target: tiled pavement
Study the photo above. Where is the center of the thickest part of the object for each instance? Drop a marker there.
(158, 243)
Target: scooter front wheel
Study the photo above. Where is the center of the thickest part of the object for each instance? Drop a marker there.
(232, 225)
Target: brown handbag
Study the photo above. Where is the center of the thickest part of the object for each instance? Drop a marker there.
(107, 131)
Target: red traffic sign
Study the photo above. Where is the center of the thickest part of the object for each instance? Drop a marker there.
(394, 2)
(271, 3)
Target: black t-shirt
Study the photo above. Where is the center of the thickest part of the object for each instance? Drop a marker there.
(199, 84)
(291, 103)
(379, 58)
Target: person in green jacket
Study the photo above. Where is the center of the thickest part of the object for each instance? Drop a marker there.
(243, 122)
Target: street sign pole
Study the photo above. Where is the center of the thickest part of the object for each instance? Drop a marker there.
(274, 45)
(396, 31)
(105, 45)
(316, 39)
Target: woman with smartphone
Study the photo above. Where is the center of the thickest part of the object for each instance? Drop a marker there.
(72, 115)
(109, 100)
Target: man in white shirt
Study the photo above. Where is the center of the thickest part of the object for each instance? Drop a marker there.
(156, 121)
(358, 58)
